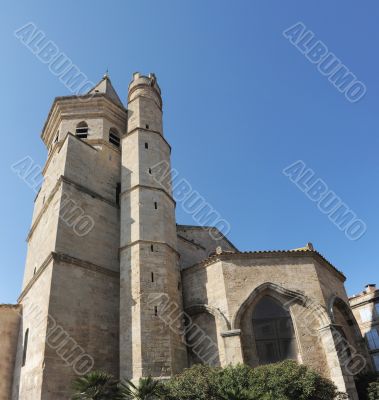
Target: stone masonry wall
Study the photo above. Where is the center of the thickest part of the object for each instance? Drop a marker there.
(10, 316)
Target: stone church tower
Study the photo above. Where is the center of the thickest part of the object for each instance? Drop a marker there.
(104, 249)
(149, 260)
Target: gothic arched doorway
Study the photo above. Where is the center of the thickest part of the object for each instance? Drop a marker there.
(274, 332)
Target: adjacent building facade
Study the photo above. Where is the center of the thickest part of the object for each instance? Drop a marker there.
(365, 306)
(112, 282)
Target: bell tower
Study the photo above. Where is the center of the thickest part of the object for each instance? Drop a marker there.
(148, 251)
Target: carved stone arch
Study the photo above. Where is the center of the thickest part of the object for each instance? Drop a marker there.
(279, 293)
(205, 308)
(345, 324)
(203, 333)
(347, 313)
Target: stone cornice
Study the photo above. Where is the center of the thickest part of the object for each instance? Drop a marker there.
(36, 276)
(234, 332)
(81, 188)
(266, 254)
(10, 306)
(197, 245)
(127, 246)
(95, 105)
(43, 209)
(142, 86)
(207, 228)
(137, 129)
(103, 143)
(149, 188)
(363, 302)
(66, 259)
(58, 146)
(88, 191)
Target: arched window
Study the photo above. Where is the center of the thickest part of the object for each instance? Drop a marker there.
(25, 349)
(274, 332)
(114, 137)
(81, 130)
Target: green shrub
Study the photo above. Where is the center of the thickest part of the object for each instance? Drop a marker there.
(362, 382)
(196, 383)
(373, 390)
(282, 381)
(288, 380)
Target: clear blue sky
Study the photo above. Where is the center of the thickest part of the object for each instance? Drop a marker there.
(241, 103)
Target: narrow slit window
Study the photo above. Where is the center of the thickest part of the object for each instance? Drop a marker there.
(146, 145)
(118, 192)
(152, 277)
(150, 171)
(81, 130)
(114, 137)
(25, 349)
(155, 310)
(152, 247)
(56, 137)
(156, 205)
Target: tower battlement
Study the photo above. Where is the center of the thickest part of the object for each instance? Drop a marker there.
(145, 85)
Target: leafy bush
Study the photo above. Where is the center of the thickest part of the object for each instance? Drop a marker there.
(362, 382)
(282, 381)
(196, 383)
(373, 391)
(288, 380)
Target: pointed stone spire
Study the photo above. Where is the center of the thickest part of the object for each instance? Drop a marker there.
(105, 86)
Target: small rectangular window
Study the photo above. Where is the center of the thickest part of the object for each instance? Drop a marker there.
(366, 314)
(150, 171)
(118, 192)
(156, 205)
(152, 277)
(146, 145)
(147, 126)
(152, 247)
(25, 349)
(155, 310)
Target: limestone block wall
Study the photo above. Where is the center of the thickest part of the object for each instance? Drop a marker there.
(10, 317)
(142, 113)
(42, 235)
(28, 375)
(225, 285)
(84, 319)
(42, 240)
(195, 244)
(100, 244)
(96, 169)
(95, 126)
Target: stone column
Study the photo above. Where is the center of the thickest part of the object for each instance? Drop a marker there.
(233, 348)
(338, 374)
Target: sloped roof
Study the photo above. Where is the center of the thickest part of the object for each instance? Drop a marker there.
(105, 86)
(298, 252)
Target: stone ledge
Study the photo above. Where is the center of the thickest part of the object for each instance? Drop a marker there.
(233, 332)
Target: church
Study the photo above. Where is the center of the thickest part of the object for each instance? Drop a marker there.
(113, 283)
